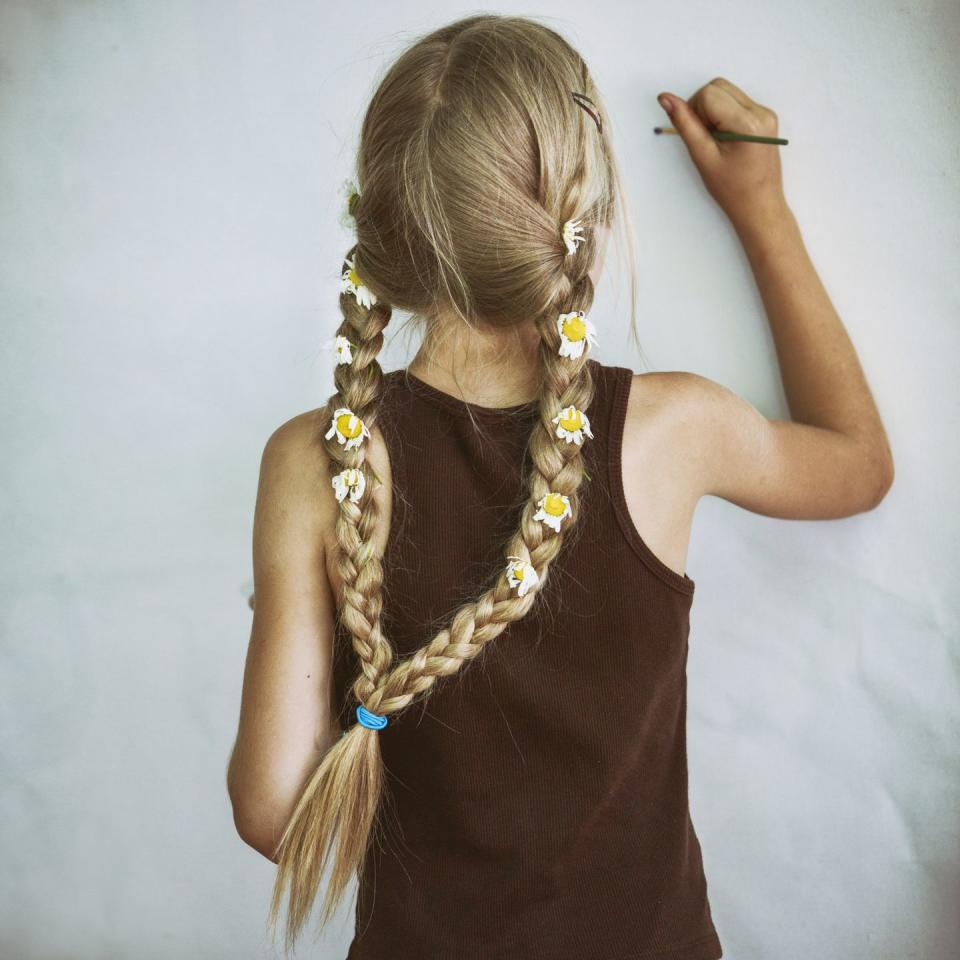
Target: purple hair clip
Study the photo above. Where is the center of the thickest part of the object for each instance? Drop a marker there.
(592, 109)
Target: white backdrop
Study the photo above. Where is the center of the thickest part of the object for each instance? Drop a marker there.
(170, 252)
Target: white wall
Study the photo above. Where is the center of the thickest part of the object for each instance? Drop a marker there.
(170, 188)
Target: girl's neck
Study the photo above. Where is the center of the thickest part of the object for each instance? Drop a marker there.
(490, 368)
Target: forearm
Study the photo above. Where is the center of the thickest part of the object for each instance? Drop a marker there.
(824, 383)
(283, 735)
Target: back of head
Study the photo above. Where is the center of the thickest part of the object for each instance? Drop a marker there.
(484, 168)
(473, 154)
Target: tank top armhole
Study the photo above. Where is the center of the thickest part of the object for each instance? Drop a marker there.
(618, 417)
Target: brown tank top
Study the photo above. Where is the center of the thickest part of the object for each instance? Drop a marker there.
(535, 805)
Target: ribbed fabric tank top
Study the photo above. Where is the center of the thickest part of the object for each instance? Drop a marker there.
(535, 804)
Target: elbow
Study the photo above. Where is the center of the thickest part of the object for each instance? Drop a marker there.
(256, 831)
(254, 835)
(264, 795)
(252, 820)
(882, 475)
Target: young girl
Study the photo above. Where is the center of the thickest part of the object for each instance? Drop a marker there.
(466, 676)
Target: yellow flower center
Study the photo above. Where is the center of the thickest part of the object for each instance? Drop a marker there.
(343, 425)
(517, 572)
(572, 421)
(574, 328)
(355, 278)
(554, 505)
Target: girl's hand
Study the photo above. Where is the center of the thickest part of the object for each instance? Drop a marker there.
(744, 178)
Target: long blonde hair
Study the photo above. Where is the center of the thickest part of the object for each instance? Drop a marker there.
(473, 155)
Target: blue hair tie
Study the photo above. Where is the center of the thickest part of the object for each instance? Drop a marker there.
(372, 721)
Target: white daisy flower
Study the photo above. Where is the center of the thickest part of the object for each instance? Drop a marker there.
(576, 332)
(572, 424)
(350, 192)
(521, 574)
(350, 481)
(553, 509)
(572, 235)
(350, 282)
(348, 428)
(342, 346)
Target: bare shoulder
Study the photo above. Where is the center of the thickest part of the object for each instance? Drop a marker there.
(293, 467)
(718, 443)
(679, 395)
(295, 487)
(685, 415)
(300, 438)
(648, 391)
(659, 435)
(691, 408)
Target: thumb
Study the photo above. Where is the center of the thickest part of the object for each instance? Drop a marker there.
(690, 127)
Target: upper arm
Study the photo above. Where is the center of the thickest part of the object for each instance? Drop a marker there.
(285, 717)
(777, 468)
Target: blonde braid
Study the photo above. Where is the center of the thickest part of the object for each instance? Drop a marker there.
(359, 387)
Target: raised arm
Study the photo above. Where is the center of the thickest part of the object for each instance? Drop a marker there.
(285, 722)
(833, 458)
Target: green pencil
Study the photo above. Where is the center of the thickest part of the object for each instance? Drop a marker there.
(729, 135)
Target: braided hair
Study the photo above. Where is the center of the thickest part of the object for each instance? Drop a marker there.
(481, 180)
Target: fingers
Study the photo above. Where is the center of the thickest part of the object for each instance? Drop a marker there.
(734, 92)
(690, 126)
(724, 106)
(718, 107)
(745, 101)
